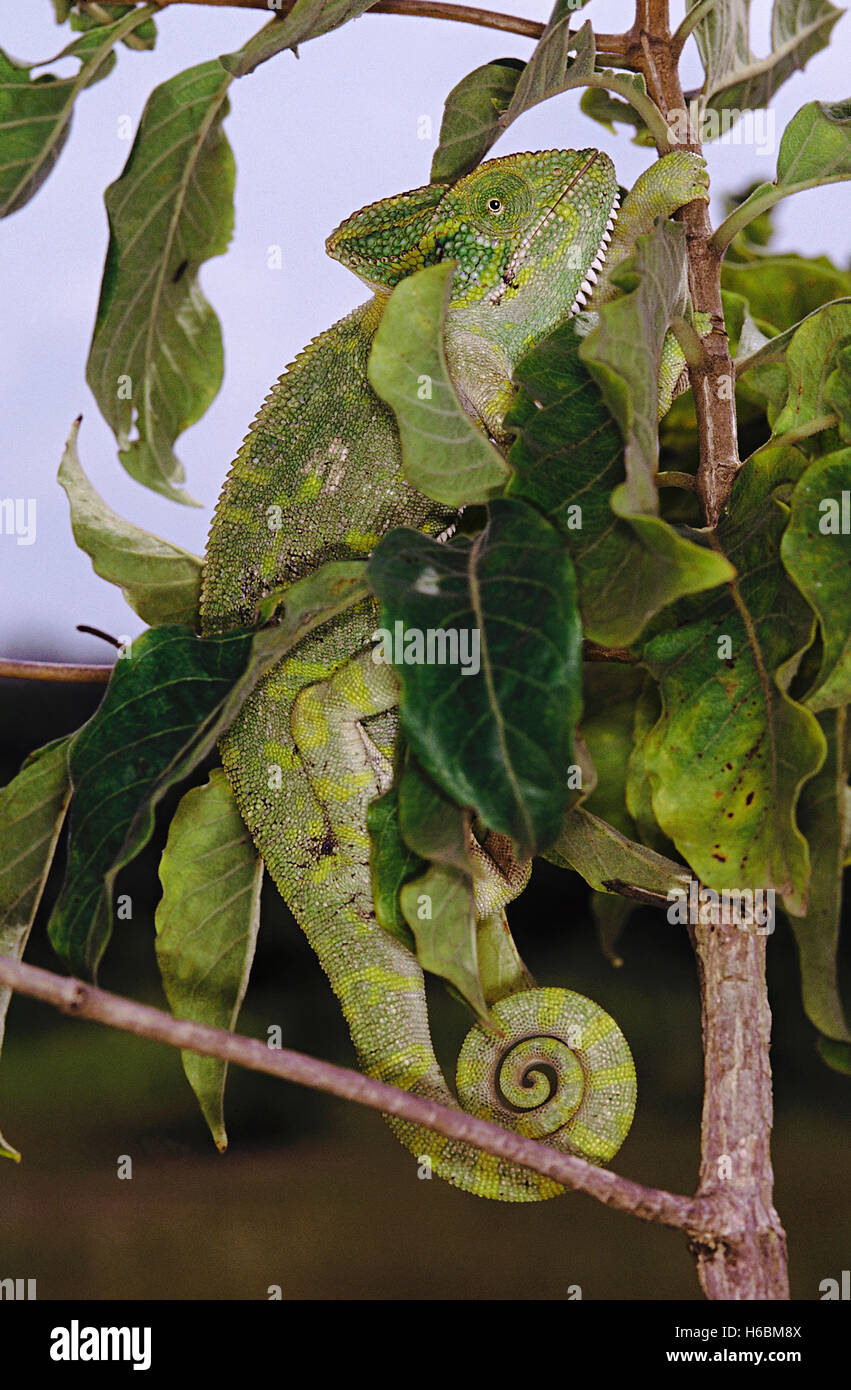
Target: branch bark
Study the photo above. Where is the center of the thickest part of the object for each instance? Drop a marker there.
(746, 1256)
(613, 47)
(71, 996)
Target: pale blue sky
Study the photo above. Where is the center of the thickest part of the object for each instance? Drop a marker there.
(314, 139)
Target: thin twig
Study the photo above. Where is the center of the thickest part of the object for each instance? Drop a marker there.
(71, 996)
(53, 671)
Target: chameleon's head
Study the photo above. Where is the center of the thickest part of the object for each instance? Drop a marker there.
(529, 232)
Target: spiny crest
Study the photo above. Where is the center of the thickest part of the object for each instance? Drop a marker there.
(509, 220)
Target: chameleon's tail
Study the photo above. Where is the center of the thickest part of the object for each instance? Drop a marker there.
(563, 1071)
(562, 1074)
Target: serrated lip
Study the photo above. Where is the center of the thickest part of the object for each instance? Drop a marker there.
(522, 250)
(597, 262)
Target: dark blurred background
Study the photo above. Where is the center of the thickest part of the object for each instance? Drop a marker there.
(315, 1194)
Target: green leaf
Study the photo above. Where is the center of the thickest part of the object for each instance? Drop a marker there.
(472, 118)
(601, 106)
(160, 581)
(731, 750)
(568, 460)
(623, 352)
(167, 703)
(392, 863)
(490, 737)
(735, 78)
(439, 905)
(610, 693)
(773, 350)
(550, 71)
(32, 809)
(783, 290)
(813, 366)
(445, 455)
(35, 112)
(207, 922)
(156, 357)
(817, 933)
(306, 20)
(815, 553)
(609, 860)
(836, 1054)
(815, 150)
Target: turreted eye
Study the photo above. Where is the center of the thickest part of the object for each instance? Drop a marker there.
(494, 205)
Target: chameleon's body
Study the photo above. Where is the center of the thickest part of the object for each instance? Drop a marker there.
(319, 478)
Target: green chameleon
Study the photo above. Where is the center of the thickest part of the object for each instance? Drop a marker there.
(319, 478)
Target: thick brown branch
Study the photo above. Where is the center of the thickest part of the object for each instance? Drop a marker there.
(691, 1214)
(746, 1258)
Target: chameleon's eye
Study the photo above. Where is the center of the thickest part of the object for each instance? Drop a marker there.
(494, 205)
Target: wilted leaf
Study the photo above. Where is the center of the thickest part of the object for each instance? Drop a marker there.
(608, 860)
(207, 922)
(156, 357)
(160, 581)
(491, 738)
(445, 455)
(32, 809)
(568, 460)
(815, 552)
(731, 750)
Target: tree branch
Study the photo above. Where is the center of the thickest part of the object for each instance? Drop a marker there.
(746, 1257)
(712, 377)
(613, 47)
(690, 1214)
(52, 671)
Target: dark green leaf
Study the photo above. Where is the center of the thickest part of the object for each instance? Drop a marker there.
(32, 809)
(493, 736)
(156, 357)
(167, 704)
(392, 863)
(207, 921)
(568, 460)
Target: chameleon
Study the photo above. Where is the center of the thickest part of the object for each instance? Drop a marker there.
(319, 477)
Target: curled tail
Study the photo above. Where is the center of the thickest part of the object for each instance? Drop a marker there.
(561, 1073)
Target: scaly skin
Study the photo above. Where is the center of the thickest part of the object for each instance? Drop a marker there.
(319, 478)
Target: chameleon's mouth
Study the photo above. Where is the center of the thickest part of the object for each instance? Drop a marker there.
(590, 280)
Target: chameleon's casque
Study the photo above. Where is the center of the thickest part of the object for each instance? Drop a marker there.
(319, 478)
